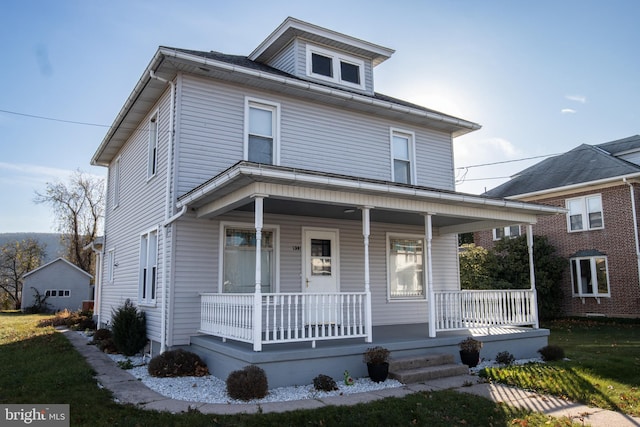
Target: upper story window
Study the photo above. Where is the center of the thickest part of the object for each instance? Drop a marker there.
(404, 261)
(262, 132)
(148, 267)
(589, 276)
(116, 182)
(403, 154)
(335, 67)
(585, 213)
(152, 162)
(511, 232)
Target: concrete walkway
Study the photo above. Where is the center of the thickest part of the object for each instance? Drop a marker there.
(127, 389)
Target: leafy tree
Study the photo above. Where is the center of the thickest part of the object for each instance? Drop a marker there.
(16, 259)
(506, 266)
(79, 208)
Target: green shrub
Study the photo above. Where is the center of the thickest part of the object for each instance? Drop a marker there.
(551, 352)
(101, 335)
(505, 358)
(324, 383)
(177, 363)
(248, 383)
(129, 329)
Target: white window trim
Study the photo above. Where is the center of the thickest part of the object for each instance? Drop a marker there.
(152, 163)
(47, 293)
(148, 300)
(116, 182)
(585, 213)
(249, 226)
(267, 105)
(336, 58)
(507, 232)
(111, 264)
(592, 265)
(412, 152)
(423, 298)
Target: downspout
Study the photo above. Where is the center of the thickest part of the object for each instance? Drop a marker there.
(168, 219)
(635, 222)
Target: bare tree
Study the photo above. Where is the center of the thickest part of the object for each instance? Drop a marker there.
(16, 259)
(79, 208)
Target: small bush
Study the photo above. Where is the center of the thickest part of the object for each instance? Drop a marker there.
(108, 346)
(248, 383)
(324, 383)
(129, 329)
(72, 319)
(177, 363)
(101, 335)
(551, 353)
(505, 358)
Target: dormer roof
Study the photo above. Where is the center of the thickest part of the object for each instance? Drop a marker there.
(292, 28)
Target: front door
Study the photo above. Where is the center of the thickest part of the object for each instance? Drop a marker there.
(320, 275)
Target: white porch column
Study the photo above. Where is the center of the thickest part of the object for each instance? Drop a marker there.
(257, 303)
(366, 230)
(431, 294)
(534, 299)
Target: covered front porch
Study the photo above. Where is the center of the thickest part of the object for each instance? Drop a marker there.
(303, 318)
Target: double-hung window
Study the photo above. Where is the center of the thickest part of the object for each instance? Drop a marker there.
(336, 67)
(511, 232)
(403, 153)
(585, 213)
(111, 264)
(405, 267)
(239, 260)
(152, 162)
(261, 132)
(148, 267)
(589, 276)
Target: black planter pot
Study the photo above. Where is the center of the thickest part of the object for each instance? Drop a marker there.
(378, 373)
(470, 358)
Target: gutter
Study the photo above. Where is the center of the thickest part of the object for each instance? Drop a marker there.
(635, 222)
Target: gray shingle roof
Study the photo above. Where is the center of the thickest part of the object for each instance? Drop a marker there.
(583, 164)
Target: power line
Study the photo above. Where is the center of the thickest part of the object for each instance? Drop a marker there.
(53, 119)
(508, 161)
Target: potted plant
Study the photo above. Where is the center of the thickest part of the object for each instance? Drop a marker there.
(470, 351)
(377, 360)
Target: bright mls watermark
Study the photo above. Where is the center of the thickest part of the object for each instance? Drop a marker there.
(34, 415)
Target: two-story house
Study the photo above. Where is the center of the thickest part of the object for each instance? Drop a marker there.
(598, 186)
(260, 206)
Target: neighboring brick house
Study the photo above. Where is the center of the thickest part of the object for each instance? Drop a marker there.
(599, 187)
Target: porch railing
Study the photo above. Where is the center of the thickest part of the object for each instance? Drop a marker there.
(285, 317)
(480, 309)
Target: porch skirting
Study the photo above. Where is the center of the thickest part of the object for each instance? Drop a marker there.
(297, 363)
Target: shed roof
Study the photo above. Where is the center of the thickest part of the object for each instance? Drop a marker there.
(57, 260)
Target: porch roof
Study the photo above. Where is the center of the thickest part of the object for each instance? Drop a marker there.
(311, 193)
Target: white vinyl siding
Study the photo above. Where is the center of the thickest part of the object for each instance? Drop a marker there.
(585, 213)
(590, 276)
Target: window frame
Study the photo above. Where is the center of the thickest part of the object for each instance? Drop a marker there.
(148, 267)
(411, 148)
(116, 182)
(111, 264)
(337, 58)
(275, 229)
(584, 213)
(423, 276)
(152, 159)
(507, 232)
(593, 271)
(274, 108)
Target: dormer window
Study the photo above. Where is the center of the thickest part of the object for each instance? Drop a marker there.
(335, 67)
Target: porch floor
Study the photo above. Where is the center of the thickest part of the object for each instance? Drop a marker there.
(299, 362)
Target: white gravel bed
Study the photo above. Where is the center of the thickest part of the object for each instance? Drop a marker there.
(210, 389)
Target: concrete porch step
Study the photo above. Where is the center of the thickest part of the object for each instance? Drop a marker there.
(423, 368)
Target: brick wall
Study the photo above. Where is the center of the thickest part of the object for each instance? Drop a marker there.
(616, 240)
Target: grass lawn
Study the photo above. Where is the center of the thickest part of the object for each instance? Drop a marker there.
(603, 369)
(39, 365)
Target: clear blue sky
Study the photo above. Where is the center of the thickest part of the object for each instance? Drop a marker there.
(541, 76)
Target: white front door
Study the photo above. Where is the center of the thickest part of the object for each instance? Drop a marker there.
(320, 277)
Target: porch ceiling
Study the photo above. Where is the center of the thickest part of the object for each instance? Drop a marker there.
(307, 193)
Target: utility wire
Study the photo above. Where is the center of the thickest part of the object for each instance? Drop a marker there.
(53, 119)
